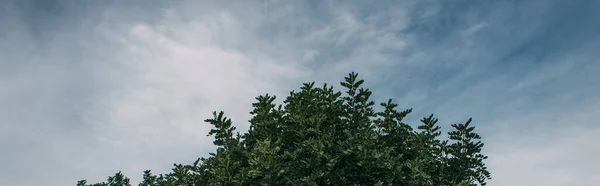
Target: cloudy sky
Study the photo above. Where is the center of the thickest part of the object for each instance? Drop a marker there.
(88, 88)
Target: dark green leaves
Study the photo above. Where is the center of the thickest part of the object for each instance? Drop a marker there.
(117, 180)
(467, 160)
(320, 136)
(223, 130)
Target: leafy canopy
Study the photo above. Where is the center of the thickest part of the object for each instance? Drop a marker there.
(320, 136)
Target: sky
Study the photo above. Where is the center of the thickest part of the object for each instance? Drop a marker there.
(88, 88)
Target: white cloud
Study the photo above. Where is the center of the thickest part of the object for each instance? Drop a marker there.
(155, 86)
(178, 83)
(561, 152)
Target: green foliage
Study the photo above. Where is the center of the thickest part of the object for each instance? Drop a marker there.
(117, 180)
(320, 136)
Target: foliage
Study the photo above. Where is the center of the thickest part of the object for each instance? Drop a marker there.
(320, 136)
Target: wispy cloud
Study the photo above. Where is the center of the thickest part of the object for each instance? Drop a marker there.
(88, 88)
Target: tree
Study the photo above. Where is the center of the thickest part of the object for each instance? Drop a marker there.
(320, 136)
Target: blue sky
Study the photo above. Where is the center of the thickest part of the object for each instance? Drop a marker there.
(88, 88)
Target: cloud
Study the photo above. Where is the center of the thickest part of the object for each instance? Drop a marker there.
(560, 152)
(131, 93)
(87, 89)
